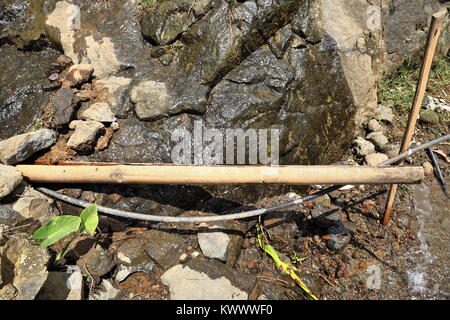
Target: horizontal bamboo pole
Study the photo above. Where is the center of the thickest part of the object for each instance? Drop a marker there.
(192, 174)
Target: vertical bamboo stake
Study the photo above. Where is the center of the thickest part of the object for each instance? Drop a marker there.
(433, 36)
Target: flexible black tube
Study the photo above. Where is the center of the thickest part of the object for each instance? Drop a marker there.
(233, 216)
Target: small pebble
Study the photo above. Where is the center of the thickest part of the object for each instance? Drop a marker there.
(339, 202)
(53, 77)
(374, 126)
(246, 243)
(64, 61)
(115, 126)
(292, 195)
(184, 258)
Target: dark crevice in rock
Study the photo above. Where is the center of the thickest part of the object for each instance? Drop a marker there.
(288, 151)
(302, 35)
(150, 40)
(188, 112)
(40, 44)
(4, 41)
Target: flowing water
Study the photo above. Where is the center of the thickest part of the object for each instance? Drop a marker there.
(428, 267)
(423, 208)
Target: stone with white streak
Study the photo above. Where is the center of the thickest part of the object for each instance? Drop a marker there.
(102, 55)
(62, 24)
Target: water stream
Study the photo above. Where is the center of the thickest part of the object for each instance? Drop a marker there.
(428, 268)
(417, 277)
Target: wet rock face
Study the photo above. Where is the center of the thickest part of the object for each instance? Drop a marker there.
(22, 23)
(252, 89)
(164, 21)
(231, 32)
(142, 141)
(22, 88)
(210, 59)
(223, 74)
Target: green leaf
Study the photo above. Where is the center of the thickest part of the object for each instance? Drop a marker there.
(56, 229)
(89, 219)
